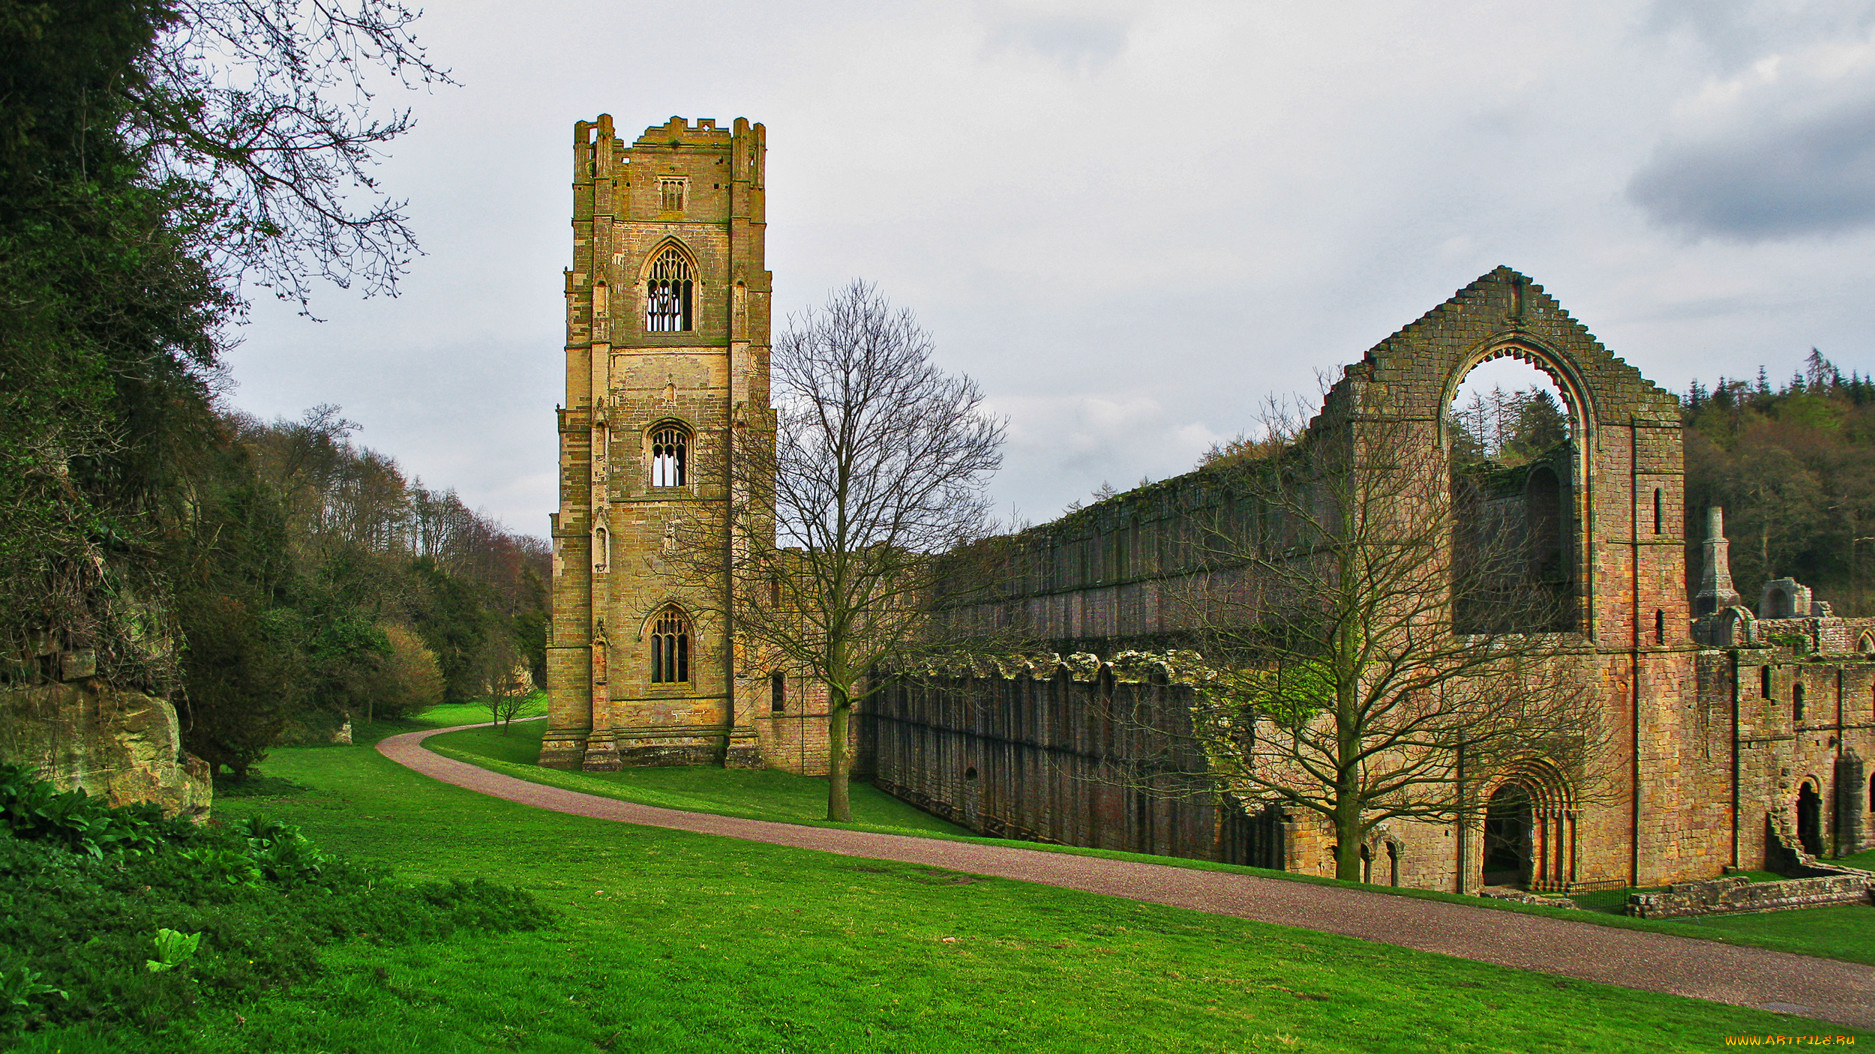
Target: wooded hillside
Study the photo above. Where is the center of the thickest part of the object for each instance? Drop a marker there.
(157, 160)
(1794, 467)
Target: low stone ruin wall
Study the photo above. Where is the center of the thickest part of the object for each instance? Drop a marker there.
(1735, 893)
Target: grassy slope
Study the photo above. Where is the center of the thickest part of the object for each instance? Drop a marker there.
(674, 941)
(753, 793)
(1846, 932)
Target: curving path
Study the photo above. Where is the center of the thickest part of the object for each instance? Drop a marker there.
(1825, 989)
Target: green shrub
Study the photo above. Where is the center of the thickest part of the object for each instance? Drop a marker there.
(34, 808)
(87, 894)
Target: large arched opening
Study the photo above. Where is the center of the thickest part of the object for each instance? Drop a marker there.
(1511, 441)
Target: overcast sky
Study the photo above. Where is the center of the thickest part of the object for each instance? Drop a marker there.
(1129, 222)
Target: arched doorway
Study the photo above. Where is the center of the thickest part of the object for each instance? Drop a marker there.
(1507, 837)
(1528, 830)
(1810, 819)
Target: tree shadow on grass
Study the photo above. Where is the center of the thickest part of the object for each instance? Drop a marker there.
(259, 786)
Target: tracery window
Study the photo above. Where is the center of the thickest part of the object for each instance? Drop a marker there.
(670, 648)
(667, 294)
(670, 457)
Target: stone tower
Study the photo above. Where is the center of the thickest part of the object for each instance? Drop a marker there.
(667, 333)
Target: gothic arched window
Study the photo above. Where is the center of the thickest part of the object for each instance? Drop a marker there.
(667, 294)
(670, 457)
(670, 648)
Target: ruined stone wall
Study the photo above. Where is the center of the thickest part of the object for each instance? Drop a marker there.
(1107, 578)
(1062, 761)
(1779, 754)
(1736, 894)
(794, 736)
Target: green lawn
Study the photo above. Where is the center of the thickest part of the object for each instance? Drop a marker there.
(756, 794)
(1864, 860)
(1846, 932)
(670, 941)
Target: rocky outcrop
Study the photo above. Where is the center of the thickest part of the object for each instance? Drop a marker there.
(123, 746)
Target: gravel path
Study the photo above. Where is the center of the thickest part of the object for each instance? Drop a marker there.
(1825, 989)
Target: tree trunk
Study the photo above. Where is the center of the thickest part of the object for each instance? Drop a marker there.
(839, 806)
(1348, 835)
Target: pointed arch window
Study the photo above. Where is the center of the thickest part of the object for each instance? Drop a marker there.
(670, 457)
(670, 647)
(667, 294)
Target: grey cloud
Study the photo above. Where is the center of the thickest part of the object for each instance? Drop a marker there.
(1740, 31)
(1767, 177)
(1077, 42)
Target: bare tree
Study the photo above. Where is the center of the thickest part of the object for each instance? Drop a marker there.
(264, 107)
(1325, 593)
(878, 469)
(504, 678)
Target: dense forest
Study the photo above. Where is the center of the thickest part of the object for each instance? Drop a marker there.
(1793, 465)
(156, 161)
(312, 580)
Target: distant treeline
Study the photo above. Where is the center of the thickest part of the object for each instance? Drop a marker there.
(312, 581)
(1793, 465)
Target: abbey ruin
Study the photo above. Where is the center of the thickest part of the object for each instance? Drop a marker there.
(1730, 734)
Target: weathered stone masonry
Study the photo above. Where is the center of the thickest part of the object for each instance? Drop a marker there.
(667, 337)
(1701, 780)
(1741, 742)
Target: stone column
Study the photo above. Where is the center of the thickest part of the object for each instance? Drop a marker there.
(1715, 577)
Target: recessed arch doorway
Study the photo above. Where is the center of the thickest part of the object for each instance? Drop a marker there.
(1507, 837)
(1528, 828)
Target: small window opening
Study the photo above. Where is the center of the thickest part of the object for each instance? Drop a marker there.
(667, 294)
(1657, 504)
(970, 772)
(1660, 626)
(1764, 682)
(670, 648)
(1796, 701)
(777, 692)
(670, 449)
(671, 195)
